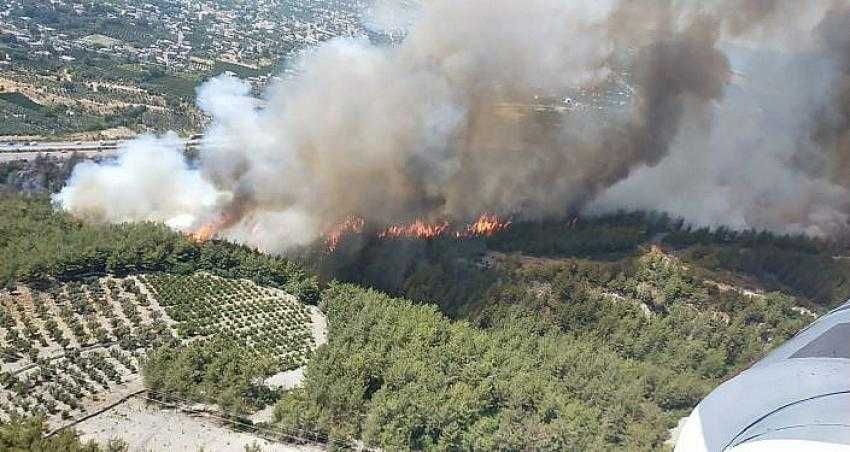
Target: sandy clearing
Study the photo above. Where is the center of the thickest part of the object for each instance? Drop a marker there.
(146, 428)
(286, 380)
(264, 416)
(318, 325)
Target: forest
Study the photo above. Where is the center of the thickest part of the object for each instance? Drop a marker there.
(576, 357)
(584, 334)
(39, 245)
(29, 435)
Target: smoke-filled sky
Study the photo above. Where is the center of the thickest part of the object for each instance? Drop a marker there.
(725, 112)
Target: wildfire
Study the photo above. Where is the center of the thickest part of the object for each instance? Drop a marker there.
(349, 225)
(485, 225)
(419, 228)
(209, 229)
(203, 233)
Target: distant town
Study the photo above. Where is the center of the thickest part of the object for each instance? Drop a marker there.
(181, 33)
(130, 66)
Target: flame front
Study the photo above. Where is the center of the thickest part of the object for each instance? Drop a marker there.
(204, 233)
(419, 229)
(485, 225)
(349, 225)
(209, 229)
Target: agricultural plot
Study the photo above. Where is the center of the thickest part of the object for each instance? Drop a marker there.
(76, 348)
(268, 322)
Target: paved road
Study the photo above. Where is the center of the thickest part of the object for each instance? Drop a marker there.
(42, 146)
(22, 150)
(30, 155)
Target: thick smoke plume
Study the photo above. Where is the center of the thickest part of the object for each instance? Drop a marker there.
(473, 112)
(774, 154)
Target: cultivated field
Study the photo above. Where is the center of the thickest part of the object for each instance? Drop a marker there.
(75, 349)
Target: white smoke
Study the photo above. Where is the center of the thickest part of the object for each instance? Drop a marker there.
(393, 17)
(149, 181)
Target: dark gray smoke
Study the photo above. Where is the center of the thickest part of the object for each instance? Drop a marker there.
(532, 109)
(773, 156)
(831, 130)
(744, 15)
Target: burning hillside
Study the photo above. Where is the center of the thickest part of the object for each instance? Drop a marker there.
(204, 233)
(209, 230)
(418, 228)
(350, 225)
(483, 226)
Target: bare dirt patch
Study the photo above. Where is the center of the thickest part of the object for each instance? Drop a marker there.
(145, 427)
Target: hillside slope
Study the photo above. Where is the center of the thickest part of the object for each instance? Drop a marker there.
(595, 334)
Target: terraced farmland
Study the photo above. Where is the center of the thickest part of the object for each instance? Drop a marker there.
(76, 348)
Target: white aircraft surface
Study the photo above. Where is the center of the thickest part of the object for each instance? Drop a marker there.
(795, 399)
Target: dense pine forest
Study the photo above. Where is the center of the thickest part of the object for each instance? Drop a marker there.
(589, 334)
(39, 245)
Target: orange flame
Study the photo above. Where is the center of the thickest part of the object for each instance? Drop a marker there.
(485, 225)
(419, 228)
(348, 225)
(203, 233)
(209, 229)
